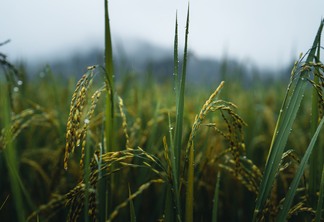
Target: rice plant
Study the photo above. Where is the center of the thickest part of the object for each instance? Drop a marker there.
(163, 158)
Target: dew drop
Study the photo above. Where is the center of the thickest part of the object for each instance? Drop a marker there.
(86, 121)
(19, 82)
(15, 89)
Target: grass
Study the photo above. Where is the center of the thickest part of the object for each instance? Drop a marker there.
(206, 158)
(287, 114)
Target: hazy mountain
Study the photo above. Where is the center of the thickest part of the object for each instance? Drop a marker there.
(139, 58)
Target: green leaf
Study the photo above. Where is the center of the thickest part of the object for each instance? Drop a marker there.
(300, 171)
(283, 128)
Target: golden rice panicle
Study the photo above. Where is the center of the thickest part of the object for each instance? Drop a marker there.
(249, 174)
(201, 116)
(73, 133)
(318, 70)
(18, 123)
(124, 121)
(83, 134)
(235, 135)
(166, 154)
(233, 121)
(58, 202)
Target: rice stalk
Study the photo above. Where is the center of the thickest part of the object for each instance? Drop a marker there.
(180, 102)
(86, 157)
(283, 212)
(315, 160)
(105, 189)
(283, 128)
(190, 153)
(170, 157)
(216, 198)
(319, 208)
(131, 206)
(4, 202)
(175, 141)
(180, 109)
(111, 163)
(140, 190)
(109, 71)
(10, 155)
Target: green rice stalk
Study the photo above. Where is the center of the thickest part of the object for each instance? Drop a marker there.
(11, 157)
(180, 106)
(154, 130)
(103, 188)
(180, 103)
(176, 62)
(168, 208)
(175, 173)
(131, 206)
(283, 128)
(102, 194)
(316, 160)
(319, 209)
(140, 190)
(216, 198)
(284, 209)
(86, 179)
(190, 185)
(4, 202)
(179, 90)
(207, 107)
(109, 68)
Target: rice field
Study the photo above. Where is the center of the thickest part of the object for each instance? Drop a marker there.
(93, 149)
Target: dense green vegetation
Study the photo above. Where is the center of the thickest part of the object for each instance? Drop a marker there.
(138, 150)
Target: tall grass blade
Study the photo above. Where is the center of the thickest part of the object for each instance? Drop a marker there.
(87, 180)
(315, 160)
(319, 209)
(300, 171)
(190, 179)
(110, 79)
(180, 103)
(103, 187)
(168, 208)
(175, 175)
(176, 62)
(131, 206)
(102, 195)
(10, 155)
(190, 185)
(283, 128)
(216, 198)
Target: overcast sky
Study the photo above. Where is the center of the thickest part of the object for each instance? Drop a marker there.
(266, 33)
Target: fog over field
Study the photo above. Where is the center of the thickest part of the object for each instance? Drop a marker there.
(268, 34)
